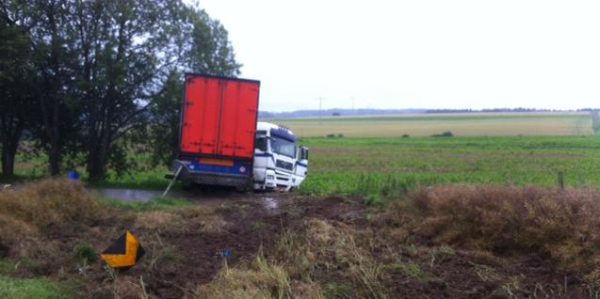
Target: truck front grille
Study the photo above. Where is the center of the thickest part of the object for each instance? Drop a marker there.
(284, 165)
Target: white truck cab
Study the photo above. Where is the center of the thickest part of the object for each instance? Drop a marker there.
(279, 162)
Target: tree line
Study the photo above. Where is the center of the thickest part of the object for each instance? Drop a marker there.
(86, 78)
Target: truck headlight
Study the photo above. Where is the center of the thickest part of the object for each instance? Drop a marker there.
(270, 177)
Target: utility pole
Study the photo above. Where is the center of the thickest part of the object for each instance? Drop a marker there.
(320, 107)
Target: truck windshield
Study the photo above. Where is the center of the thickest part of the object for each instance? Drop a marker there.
(283, 147)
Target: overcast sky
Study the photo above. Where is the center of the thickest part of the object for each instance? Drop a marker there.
(417, 54)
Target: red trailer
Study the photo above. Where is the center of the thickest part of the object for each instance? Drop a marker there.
(218, 129)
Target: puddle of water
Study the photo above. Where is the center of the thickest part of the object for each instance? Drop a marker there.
(132, 195)
(129, 194)
(270, 203)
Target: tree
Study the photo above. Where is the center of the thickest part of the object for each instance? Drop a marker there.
(99, 69)
(164, 121)
(125, 50)
(46, 24)
(207, 50)
(17, 100)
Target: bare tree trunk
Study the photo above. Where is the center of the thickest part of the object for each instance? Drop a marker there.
(8, 160)
(96, 164)
(10, 144)
(54, 158)
(98, 154)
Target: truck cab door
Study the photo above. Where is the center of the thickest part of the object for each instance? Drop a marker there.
(301, 170)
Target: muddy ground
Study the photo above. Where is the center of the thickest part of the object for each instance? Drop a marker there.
(252, 223)
(326, 247)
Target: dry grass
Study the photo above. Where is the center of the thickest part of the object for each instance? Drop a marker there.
(559, 225)
(302, 262)
(260, 279)
(446, 241)
(45, 208)
(154, 220)
(182, 220)
(51, 204)
(322, 250)
(488, 124)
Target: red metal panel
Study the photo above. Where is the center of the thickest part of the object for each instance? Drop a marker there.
(238, 122)
(200, 116)
(219, 116)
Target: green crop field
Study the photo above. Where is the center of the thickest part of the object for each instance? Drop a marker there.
(373, 158)
(364, 166)
(472, 124)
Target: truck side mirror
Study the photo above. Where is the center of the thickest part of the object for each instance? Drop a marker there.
(303, 153)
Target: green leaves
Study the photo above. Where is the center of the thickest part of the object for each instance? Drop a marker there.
(102, 69)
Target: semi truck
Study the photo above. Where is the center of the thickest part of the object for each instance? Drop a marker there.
(221, 142)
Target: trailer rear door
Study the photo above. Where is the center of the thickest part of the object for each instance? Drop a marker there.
(219, 116)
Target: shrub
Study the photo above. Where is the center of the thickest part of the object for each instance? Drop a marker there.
(85, 253)
(444, 134)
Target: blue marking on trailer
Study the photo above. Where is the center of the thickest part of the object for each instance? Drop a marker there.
(236, 169)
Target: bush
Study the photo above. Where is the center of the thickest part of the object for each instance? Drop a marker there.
(85, 253)
(445, 134)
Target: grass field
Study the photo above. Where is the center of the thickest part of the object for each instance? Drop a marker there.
(369, 165)
(366, 162)
(526, 124)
